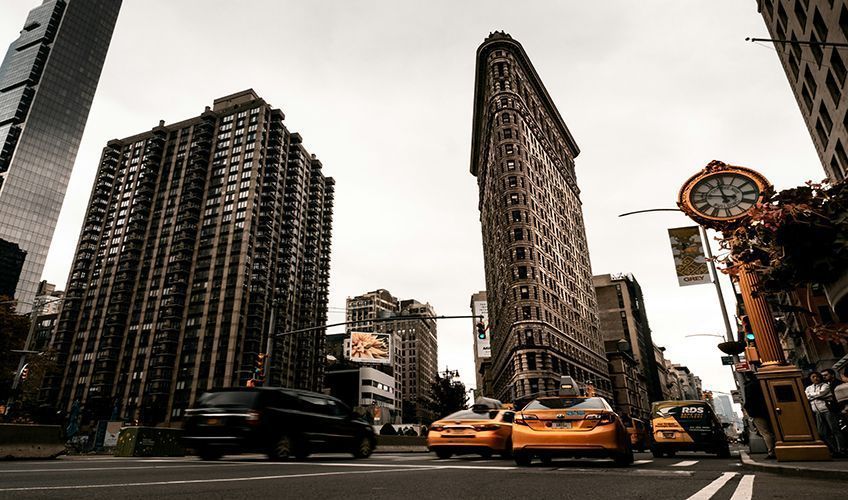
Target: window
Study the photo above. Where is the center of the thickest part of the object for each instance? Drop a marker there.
(522, 272)
(843, 21)
(512, 181)
(531, 360)
(825, 117)
(524, 292)
(516, 216)
(510, 164)
(808, 100)
(816, 49)
(520, 253)
(835, 93)
(800, 15)
(819, 25)
(518, 234)
(838, 67)
(811, 81)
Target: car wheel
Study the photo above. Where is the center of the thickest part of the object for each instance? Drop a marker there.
(364, 449)
(546, 460)
(209, 454)
(625, 458)
(283, 449)
(656, 453)
(507, 452)
(443, 454)
(487, 454)
(522, 459)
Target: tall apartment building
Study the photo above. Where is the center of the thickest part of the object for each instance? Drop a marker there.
(817, 74)
(48, 302)
(414, 344)
(419, 357)
(194, 232)
(542, 306)
(47, 82)
(369, 306)
(622, 313)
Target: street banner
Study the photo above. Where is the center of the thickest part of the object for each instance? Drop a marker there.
(483, 346)
(366, 347)
(727, 360)
(689, 259)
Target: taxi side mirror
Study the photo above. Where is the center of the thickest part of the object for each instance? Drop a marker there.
(508, 417)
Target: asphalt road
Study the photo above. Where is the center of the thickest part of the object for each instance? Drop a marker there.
(412, 475)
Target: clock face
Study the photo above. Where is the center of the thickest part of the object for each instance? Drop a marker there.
(725, 195)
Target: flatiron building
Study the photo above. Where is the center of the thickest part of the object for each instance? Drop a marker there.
(542, 308)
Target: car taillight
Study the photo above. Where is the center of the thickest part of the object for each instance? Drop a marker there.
(252, 417)
(437, 428)
(486, 427)
(601, 418)
(522, 419)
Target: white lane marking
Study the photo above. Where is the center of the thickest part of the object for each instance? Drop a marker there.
(711, 489)
(642, 462)
(685, 463)
(745, 489)
(139, 467)
(217, 480)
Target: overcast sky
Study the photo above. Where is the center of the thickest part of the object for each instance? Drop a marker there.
(382, 92)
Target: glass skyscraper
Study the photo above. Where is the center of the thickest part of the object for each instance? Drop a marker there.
(47, 83)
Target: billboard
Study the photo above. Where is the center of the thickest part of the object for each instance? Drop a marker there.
(368, 347)
(482, 346)
(689, 259)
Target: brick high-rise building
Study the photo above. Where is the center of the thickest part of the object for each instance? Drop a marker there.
(817, 74)
(419, 357)
(623, 316)
(47, 82)
(542, 306)
(193, 232)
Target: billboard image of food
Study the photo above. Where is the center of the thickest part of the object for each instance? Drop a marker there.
(366, 347)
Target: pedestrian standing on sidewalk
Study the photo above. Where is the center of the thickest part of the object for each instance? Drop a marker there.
(839, 387)
(821, 397)
(755, 406)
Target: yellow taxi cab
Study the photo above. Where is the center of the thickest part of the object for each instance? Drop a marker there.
(687, 426)
(640, 436)
(485, 429)
(569, 425)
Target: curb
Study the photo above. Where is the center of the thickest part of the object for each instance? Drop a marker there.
(401, 449)
(793, 470)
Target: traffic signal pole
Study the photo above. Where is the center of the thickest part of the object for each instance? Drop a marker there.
(375, 320)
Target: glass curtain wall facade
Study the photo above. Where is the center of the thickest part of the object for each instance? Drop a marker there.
(194, 232)
(542, 306)
(47, 83)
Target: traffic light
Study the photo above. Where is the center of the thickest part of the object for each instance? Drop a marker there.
(24, 372)
(481, 330)
(747, 331)
(259, 368)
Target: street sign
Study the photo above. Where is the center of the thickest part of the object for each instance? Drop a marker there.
(737, 396)
(727, 360)
(742, 367)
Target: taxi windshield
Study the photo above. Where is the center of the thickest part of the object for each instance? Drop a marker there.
(472, 415)
(561, 403)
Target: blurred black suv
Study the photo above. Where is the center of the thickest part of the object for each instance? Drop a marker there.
(279, 422)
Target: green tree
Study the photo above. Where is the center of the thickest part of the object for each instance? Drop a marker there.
(447, 395)
(13, 332)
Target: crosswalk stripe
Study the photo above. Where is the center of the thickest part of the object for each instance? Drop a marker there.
(745, 489)
(707, 492)
(685, 463)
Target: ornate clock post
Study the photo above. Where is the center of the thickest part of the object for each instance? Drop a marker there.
(720, 197)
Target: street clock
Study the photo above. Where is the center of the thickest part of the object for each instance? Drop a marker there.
(721, 195)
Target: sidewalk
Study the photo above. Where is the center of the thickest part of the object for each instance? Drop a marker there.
(834, 469)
